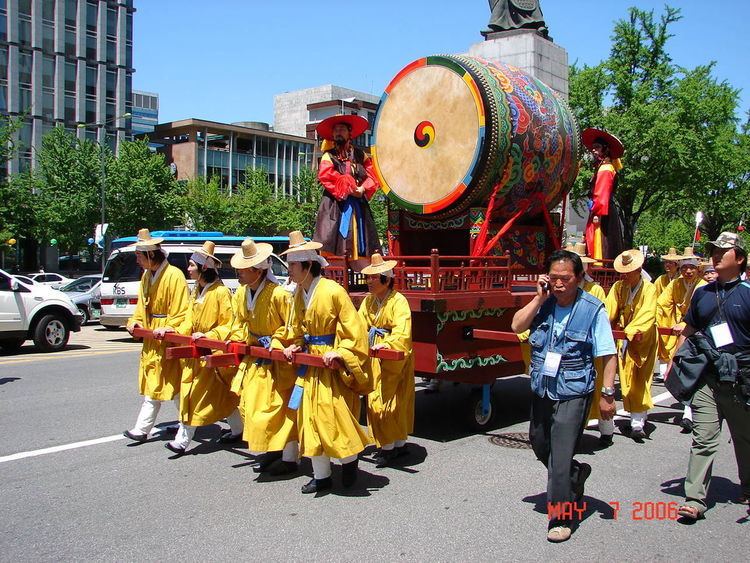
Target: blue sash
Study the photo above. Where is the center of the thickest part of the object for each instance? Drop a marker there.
(353, 206)
(320, 340)
(375, 331)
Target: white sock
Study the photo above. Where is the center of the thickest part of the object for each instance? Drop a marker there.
(235, 423)
(146, 416)
(688, 413)
(185, 433)
(606, 427)
(400, 443)
(290, 452)
(321, 466)
(638, 420)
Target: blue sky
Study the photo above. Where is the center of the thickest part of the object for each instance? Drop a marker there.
(225, 59)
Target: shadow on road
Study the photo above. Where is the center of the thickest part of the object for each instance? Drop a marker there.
(721, 490)
(4, 380)
(31, 349)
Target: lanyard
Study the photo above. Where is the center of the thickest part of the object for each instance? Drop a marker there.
(551, 337)
(721, 301)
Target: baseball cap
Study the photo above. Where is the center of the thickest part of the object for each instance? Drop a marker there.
(727, 240)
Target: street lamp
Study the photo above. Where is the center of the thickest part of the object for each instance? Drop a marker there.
(103, 174)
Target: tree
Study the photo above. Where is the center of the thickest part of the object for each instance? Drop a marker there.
(68, 174)
(204, 205)
(140, 190)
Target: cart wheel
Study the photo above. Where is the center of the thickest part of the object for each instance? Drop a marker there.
(477, 419)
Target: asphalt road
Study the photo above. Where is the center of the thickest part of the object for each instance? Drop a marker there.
(458, 496)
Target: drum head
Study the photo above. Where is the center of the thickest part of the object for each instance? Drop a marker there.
(429, 135)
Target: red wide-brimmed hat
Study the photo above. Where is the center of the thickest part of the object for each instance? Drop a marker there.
(357, 124)
(590, 135)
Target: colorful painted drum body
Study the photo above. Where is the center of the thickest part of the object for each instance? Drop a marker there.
(451, 128)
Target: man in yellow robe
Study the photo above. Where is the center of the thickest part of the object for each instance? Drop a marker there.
(261, 308)
(162, 302)
(390, 406)
(671, 261)
(672, 306)
(205, 397)
(325, 323)
(631, 305)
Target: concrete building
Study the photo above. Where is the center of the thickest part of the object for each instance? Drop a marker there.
(197, 147)
(66, 62)
(298, 112)
(145, 113)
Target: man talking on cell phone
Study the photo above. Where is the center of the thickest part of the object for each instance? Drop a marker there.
(568, 329)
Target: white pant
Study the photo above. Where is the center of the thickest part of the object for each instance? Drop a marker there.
(290, 452)
(186, 432)
(687, 413)
(396, 444)
(607, 427)
(638, 420)
(147, 416)
(322, 465)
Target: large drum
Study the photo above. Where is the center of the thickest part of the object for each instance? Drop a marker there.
(451, 130)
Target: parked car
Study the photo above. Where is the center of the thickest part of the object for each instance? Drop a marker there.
(35, 312)
(85, 292)
(24, 279)
(55, 281)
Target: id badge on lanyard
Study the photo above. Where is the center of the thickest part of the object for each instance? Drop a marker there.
(551, 364)
(721, 335)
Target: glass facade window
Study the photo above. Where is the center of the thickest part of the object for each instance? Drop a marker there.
(91, 46)
(90, 116)
(24, 8)
(70, 77)
(3, 27)
(112, 22)
(48, 10)
(48, 38)
(129, 28)
(24, 33)
(48, 71)
(111, 52)
(111, 84)
(24, 99)
(3, 96)
(70, 109)
(48, 106)
(92, 13)
(110, 117)
(3, 62)
(24, 67)
(91, 73)
(70, 12)
(70, 43)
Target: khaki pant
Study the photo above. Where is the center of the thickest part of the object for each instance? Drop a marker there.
(712, 404)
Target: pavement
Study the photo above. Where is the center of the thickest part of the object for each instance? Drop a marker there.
(72, 488)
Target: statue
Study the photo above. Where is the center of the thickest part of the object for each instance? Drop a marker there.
(516, 14)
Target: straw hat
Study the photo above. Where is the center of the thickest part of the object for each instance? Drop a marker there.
(356, 123)
(671, 255)
(378, 265)
(580, 249)
(593, 135)
(146, 242)
(205, 255)
(689, 257)
(297, 243)
(629, 261)
(251, 254)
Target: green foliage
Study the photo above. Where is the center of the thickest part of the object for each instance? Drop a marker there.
(18, 208)
(140, 191)
(9, 126)
(684, 152)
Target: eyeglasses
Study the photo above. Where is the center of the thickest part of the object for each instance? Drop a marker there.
(564, 279)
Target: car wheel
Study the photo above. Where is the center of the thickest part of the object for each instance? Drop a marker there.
(51, 333)
(84, 315)
(12, 344)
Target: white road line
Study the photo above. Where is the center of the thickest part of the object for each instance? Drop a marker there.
(55, 449)
(623, 414)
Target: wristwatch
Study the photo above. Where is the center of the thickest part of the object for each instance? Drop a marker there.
(608, 391)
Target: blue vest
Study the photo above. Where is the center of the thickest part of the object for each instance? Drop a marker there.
(575, 376)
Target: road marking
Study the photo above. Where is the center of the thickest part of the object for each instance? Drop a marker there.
(623, 414)
(55, 449)
(58, 356)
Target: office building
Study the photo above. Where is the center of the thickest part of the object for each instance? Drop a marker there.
(197, 147)
(145, 113)
(66, 62)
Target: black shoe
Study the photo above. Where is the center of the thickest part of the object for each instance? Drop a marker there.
(171, 429)
(135, 437)
(283, 468)
(584, 470)
(349, 473)
(174, 449)
(638, 434)
(402, 451)
(228, 438)
(385, 457)
(266, 461)
(317, 486)
(687, 425)
(605, 440)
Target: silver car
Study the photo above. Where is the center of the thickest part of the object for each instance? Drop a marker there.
(85, 293)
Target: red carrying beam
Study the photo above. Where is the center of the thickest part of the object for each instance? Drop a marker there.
(177, 352)
(498, 335)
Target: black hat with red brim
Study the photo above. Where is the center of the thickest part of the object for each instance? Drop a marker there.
(592, 135)
(357, 125)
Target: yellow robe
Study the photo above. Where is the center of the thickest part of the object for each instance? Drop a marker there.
(204, 393)
(671, 308)
(328, 418)
(666, 343)
(636, 359)
(597, 291)
(264, 387)
(390, 407)
(158, 377)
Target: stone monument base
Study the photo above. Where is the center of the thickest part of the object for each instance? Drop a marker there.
(529, 51)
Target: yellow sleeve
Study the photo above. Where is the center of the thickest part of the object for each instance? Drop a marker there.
(139, 315)
(665, 306)
(224, 315)
(180, 298)
(351, 339)
(400, 335)
(644, 318)
(597, 291)
(612, 304)
(280, 306)
(186, 326)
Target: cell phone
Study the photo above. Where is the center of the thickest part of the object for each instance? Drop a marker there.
(545, 286)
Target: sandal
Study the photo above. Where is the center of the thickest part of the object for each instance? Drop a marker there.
(689, 512)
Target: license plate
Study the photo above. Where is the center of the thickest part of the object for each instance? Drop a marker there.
(121, 303)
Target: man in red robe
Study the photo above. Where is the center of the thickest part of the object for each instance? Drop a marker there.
(344, 224)
(603, 229)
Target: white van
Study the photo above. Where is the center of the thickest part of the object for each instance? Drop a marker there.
(122, 276)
